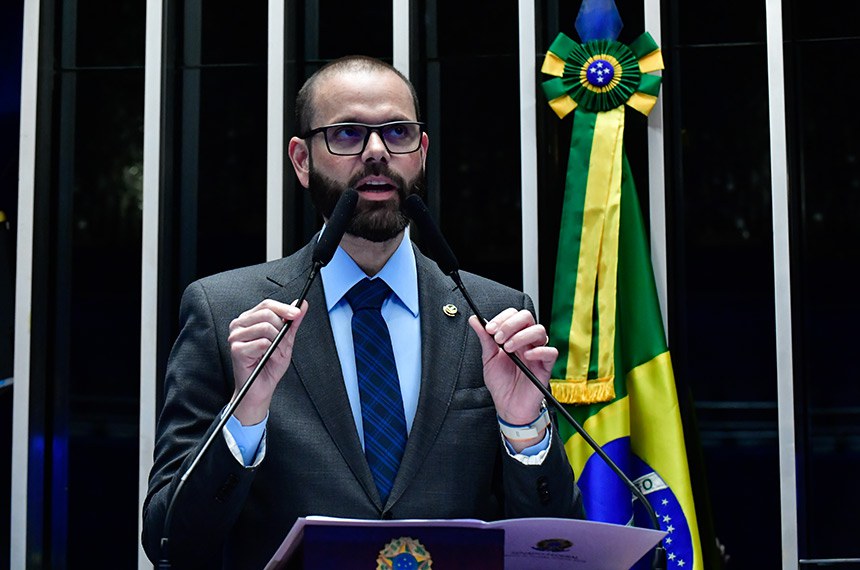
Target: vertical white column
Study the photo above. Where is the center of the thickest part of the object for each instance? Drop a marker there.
(657, 178)
(528, 149)
(23, 285)
(400, 36)
(782, 284)
(275, 133)
(149, 270)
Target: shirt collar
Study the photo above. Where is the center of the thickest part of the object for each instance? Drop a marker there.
(399, 272)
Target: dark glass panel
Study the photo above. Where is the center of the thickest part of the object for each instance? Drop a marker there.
(820, 20)
(721, 263)
(9, 135)
(230, 33)
(731, 21)
(231, 189)
(741, 457)
(11, 37)
(106, 229)
(478, 144)
(6, 474)
(473, 115)
(11, 33)
(347, 28)
(103, 481)
(103, 313)
(107, 33)
(726, 234)
(827, 209)
(831, 455)
(477, 28)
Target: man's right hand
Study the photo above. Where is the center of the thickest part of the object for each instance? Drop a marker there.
(251, 334)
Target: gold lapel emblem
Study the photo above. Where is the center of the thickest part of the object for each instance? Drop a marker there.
(450, 310)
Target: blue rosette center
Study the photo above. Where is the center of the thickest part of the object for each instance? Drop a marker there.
(600, 73)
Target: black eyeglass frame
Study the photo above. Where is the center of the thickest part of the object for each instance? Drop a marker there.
(370, 129)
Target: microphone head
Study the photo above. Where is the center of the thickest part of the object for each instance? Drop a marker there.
(335, 227)
(440, 251)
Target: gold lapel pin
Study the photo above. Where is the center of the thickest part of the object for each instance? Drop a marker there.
(450, 310)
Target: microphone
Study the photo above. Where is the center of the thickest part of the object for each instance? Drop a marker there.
(323, 252)
(441, 252)
(335, 228)
(415, 208)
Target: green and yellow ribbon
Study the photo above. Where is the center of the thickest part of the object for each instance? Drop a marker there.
(597, 79)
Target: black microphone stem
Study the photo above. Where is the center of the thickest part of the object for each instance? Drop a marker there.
(659, 551)
(164, 563)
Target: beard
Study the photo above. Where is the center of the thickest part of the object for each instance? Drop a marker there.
(374, 221)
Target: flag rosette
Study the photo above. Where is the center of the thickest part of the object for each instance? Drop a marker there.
(602, 74)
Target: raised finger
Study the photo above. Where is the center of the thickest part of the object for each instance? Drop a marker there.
(544, 356)
(266, 330)
(529, 337)
(269, 311)
(494, 324)
(513, 324)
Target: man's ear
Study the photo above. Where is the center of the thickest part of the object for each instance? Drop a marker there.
(301, 158)
(425, 142)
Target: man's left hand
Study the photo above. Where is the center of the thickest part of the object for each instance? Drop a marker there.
(517, 400)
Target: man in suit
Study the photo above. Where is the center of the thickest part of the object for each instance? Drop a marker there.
(302, 441)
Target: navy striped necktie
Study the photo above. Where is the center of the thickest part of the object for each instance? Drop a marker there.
(381, 402)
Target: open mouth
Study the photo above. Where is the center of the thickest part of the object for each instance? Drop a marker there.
(376, 187)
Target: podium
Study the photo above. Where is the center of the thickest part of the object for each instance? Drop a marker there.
(513, 544)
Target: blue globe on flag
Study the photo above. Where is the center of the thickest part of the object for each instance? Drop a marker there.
(612, 502)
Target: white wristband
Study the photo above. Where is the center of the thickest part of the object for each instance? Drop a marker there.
(528, 431)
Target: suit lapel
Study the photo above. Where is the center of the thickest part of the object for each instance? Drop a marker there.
(316, 364)
(443, 341)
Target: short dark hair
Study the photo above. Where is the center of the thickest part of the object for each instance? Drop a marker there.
(304, 104)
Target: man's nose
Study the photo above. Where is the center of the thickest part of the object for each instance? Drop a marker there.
(375, 148)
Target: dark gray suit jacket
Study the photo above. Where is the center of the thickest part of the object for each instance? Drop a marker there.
(454, 465)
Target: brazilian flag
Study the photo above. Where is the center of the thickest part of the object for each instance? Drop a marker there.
(614, 370)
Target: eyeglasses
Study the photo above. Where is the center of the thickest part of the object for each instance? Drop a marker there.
(350, 139)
